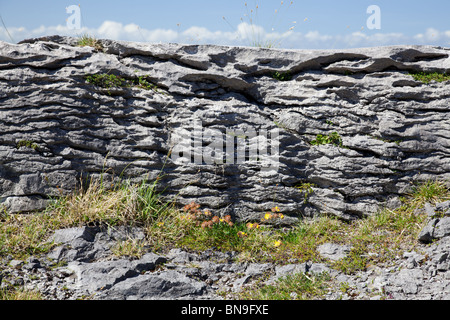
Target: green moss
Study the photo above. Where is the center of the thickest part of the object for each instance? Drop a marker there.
(282, 76)
(106, 80)
(27, 144)
(333, 138)
(109, 81)
(428, 77)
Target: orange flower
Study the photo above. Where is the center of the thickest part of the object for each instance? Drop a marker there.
(252, 226)
(241, 234)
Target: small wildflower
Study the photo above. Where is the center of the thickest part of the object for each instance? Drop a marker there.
(160, 224)
(276, 209)
(215, 219)
(277, 243)
(227, 218)
(207, 213)
(252, 226)
(241, 234)
(281, 216)
(267, 216)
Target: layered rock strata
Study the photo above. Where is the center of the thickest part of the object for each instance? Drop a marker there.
(237, 130)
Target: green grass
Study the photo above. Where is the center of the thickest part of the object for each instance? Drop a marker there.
(282, 76)
(89, 41)
(333, 138)
(14, 293)
(27, 144)
(428, 77)
(374, 239)
(298, 286)
(108, 81)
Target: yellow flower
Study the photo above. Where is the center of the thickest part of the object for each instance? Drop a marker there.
(277, 243)
(267, 216)
(160, 224)
(281, 216)
(252, 226)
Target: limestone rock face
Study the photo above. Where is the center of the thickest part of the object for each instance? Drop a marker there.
(234, 129)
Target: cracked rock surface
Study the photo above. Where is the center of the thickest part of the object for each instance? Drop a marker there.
(56, 128)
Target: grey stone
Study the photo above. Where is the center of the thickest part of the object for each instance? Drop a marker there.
(99, 276)
(365, 95)
(408, 280)
(32, 264)
(429, 210)
(436, 228)
(442, 228)
(70, 234)
(333, 251)
(179, 256)
(257, 269)
(16, 264)
(443, 208)
(318, 268)
(289, 269)
(167, 284)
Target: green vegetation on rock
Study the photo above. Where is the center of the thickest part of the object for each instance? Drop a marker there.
(428, 77)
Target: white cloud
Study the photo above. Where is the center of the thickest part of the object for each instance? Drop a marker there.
(244, 34)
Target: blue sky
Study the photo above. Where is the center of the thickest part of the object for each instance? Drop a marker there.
(301, 24)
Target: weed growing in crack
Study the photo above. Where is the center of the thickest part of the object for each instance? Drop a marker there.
(109, 81)
(333, 138)
(89, 41)
(27, 144)
(282, 76)
(427, 77)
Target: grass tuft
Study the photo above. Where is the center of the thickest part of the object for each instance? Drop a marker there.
(108, 81)
(333, 138)
(86, 40)
(299, 286)
(428, 77)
